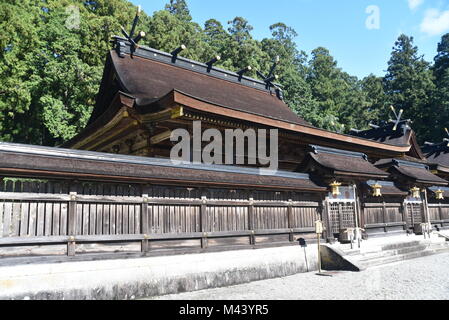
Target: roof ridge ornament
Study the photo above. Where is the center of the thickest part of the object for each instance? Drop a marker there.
(271, 77)
(446, 139)
(398, 117)
(129, 36)
(211, 62)
(176, 52)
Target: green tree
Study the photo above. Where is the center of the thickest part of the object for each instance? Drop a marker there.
(51, 64)
(408, 86)
(373, 89)
(180, 9)
(440, 101)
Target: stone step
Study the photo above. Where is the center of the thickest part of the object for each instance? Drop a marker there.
(399, 245)
(405, 256)
(392, 252)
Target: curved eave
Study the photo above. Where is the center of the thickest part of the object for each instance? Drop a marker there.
(437, 181)
(204, 106)
(336, 173)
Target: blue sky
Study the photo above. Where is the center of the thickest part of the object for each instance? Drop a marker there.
(339, 25)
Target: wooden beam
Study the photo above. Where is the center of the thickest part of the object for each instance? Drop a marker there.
(122, 114)
(160, 137)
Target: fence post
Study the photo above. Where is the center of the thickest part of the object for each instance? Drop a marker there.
(291, 237)
(203, 219)
(252, 238)
(71, 228)
(326, 214)
(144, 224)
(384, 212)
(405, 215)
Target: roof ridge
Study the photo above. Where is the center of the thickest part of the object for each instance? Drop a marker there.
(122, 46)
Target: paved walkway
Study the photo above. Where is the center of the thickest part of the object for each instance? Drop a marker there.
(423, 278)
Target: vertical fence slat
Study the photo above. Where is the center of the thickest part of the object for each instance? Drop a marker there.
(15, 223)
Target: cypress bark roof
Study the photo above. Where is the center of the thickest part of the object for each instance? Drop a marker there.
(343, 163)
(412, 171)
(148, 75)
(388, 188)
(386, 133)
(37, 161)
(437, 154)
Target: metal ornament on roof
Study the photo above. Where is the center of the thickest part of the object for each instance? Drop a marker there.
(130, 36)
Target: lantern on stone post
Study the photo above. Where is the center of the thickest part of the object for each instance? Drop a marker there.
(439, 194)
(335, 188)
(415, 192)
(376, 190)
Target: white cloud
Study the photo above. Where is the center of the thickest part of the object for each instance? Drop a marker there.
(435, 22)
(413, 4)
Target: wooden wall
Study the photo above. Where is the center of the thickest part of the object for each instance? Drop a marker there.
(383, 215)
(51, 217)
(439, 214)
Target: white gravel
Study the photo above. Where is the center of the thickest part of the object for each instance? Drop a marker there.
(418, 279)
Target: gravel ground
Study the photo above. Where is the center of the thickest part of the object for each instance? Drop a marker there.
(418, 279)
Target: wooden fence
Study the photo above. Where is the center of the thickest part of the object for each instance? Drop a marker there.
(51, 217)
(383, 216)
(439, 214)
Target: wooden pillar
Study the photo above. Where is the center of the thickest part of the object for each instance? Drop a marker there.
(290, 219)
(71, 227)
(252, 238)
(404, 215)
(325, 213)
(384, 212)
(203, 219)
(144, 225)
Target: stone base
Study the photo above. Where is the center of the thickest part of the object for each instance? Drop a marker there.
(147, 277)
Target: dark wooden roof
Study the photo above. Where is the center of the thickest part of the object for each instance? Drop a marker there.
(150, 75)
(402, 136)
(388, 188)
(437, 155)
(414, 172)
(444, 189)
(342, 163)
(45, 162)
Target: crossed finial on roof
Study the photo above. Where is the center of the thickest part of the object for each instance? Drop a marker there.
(398, 117)
(446, 139)
(129, 37)
(271, 77)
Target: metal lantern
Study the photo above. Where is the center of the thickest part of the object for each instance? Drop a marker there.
(415, 192)
(439, 194)
(335, 188)
(377, 190)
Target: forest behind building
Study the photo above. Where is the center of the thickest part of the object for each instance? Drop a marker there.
(51, 68)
